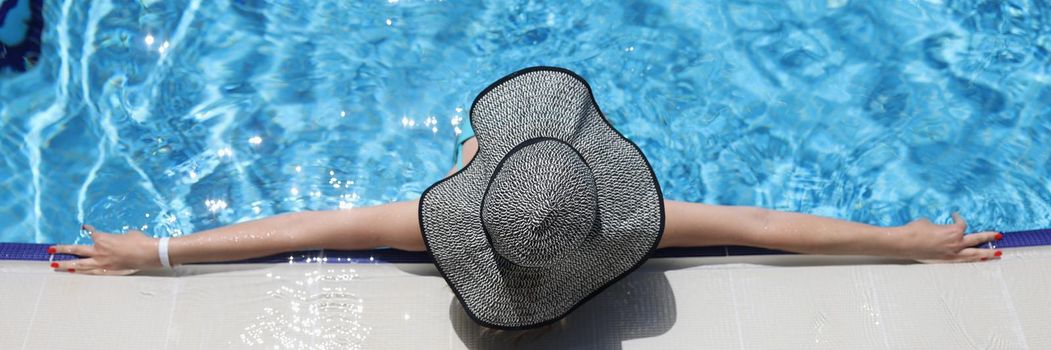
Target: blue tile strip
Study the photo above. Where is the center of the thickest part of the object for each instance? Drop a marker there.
(38, 252)
(1030, 238)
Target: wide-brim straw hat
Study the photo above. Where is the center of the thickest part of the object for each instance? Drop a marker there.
(555, 206)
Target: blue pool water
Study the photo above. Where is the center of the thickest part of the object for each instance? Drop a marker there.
(176, 116)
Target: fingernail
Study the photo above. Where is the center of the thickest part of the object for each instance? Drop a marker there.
(999, 253)
(54, 265)
(999, 236)
(71, 270)
(84, 227)
(51, 250)
(984, 258)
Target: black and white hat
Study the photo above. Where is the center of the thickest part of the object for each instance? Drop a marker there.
(555, 206)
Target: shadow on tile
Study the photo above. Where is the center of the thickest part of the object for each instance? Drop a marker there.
(641, 305)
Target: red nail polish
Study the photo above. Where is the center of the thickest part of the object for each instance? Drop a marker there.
(999, 253)
(51, 250)
(54, 265)
(984, 258)
(999, 236)
(71, 270)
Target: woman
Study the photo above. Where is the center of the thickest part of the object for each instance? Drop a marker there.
(553, 206)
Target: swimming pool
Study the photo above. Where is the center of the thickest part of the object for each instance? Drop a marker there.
(176, 116)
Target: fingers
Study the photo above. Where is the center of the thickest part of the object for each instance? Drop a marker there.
(74, 265)
(96, 235)
(116, 272)
(106, 272)
(959, 221)
(88, 265)
(977, 254)
(975, 239)
(79, 250)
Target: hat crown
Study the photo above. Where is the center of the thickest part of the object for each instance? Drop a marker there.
(540, 204)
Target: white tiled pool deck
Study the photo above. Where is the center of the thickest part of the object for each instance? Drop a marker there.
(765, 302)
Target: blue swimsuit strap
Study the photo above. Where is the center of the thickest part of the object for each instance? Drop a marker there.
(465, 134)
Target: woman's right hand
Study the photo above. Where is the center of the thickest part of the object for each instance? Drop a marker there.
(112, 254)
(932, 243)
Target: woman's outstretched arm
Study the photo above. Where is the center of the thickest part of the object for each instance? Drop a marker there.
(694, 224)
(394, 225)
(349, 229)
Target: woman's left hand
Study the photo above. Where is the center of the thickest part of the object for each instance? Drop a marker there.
(112, 254)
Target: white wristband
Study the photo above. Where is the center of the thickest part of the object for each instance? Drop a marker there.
(162, 251)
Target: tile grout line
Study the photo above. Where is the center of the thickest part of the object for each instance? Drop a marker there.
(314, 296)
(36, 306)
(879, 309)
(737, 313)
(1011, 305)
(171, 312)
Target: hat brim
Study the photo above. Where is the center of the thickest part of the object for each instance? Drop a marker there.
(530, 103)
